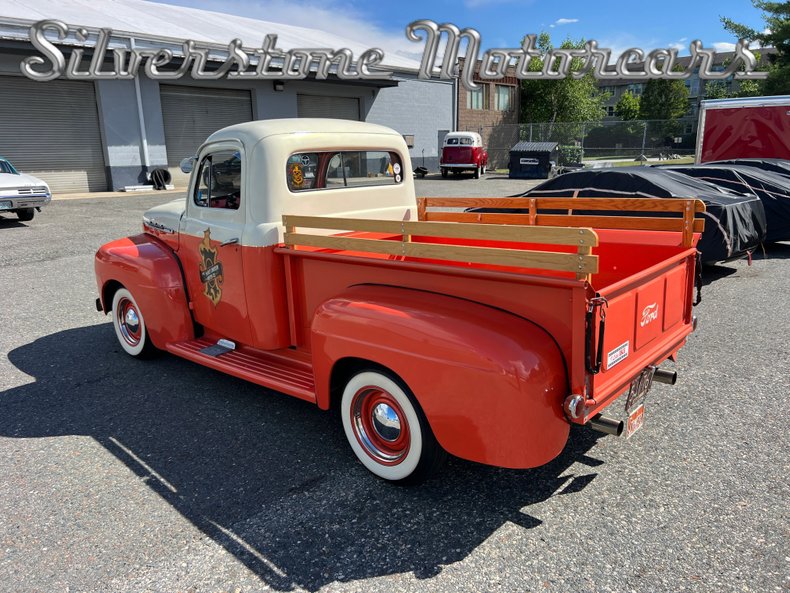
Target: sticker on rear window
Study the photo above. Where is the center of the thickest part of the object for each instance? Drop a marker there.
(617, 355)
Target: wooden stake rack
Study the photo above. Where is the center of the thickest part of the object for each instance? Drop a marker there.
(405, 240)
(533, 226)
(687, 221)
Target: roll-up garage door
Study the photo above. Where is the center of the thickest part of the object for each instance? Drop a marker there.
(192, 114)
(336, 107)
(51, 130)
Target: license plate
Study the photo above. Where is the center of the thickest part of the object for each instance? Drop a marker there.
(638, 391)
(635, 421)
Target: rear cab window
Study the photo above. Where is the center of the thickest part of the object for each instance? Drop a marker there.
(339, 169)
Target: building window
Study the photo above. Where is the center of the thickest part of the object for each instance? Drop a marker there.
(636, 89)
(477, 99)
(503, 98)
(610, 110)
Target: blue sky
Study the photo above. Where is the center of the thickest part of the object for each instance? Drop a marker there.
(502, 23)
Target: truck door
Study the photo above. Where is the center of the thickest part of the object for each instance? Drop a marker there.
(210, 246)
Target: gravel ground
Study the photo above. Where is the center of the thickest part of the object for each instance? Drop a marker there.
(121, 475)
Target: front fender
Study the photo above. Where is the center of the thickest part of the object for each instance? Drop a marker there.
(490, 383)
(150, 271)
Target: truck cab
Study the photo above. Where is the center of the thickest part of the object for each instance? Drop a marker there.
(243, 179)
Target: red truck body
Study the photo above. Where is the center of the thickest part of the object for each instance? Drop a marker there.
(488, 333)
(754, 127)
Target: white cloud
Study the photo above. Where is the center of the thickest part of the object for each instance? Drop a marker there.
(625, 41)
(722, 46)
(332, 16)
(560, 22)
(680, 45)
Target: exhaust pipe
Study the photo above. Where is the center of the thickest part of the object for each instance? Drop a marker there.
(668, 377)
(606, 425)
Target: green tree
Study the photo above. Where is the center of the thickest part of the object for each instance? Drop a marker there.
(749, 88)
(716, 89)
(776, 34)
(561, 101)
(627, 107)
(664, 99)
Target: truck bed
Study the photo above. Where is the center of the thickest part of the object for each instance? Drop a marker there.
(560, 278)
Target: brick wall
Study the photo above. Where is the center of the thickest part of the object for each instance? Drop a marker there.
(494, 126)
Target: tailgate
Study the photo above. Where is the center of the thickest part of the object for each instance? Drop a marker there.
(458, 155)
(647, 319)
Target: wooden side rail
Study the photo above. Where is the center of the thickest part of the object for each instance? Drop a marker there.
(688, 220)
(582, 262)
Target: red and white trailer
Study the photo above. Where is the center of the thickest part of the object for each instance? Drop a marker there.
(753, 127)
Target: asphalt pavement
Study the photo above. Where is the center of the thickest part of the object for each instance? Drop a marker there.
(119, 475)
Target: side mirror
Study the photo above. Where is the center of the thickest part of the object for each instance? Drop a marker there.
(188, 164)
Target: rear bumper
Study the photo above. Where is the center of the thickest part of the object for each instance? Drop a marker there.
(613, 392)
(17, 202)
(459, 166)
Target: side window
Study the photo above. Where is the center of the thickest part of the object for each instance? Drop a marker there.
(219, 180)
(330, 170)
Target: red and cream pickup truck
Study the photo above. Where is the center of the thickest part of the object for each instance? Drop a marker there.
(301, 261)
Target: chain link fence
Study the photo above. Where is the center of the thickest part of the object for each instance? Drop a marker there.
(591, 141)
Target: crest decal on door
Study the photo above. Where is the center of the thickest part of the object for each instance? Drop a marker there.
(210, 269)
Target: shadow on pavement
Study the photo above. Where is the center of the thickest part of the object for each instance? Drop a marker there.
(10, 222)
(775, 251)
(713, 272)
(268, 477)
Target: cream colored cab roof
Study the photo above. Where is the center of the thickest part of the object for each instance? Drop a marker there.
(270, 143)
(318, 132)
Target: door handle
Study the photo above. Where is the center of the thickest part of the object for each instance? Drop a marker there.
(229, 242)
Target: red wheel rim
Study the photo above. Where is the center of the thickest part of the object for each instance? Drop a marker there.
(380, 425)
(129, 322)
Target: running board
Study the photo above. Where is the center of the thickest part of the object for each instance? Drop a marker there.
(282, 370)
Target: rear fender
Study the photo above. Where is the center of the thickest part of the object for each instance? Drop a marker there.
(490, 383)
(150, 270)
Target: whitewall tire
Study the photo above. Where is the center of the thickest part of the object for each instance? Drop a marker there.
(129, 324)
(387, 430)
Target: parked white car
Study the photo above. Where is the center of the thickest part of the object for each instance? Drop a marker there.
(20, 193)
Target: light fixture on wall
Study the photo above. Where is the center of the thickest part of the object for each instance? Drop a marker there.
(279, 85)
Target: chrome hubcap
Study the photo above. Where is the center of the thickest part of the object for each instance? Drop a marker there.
(129, 322)
(386, 422)
(380, 425)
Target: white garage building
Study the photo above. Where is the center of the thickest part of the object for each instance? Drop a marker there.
(82, 135)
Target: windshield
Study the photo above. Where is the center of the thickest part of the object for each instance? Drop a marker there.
(6, 167)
